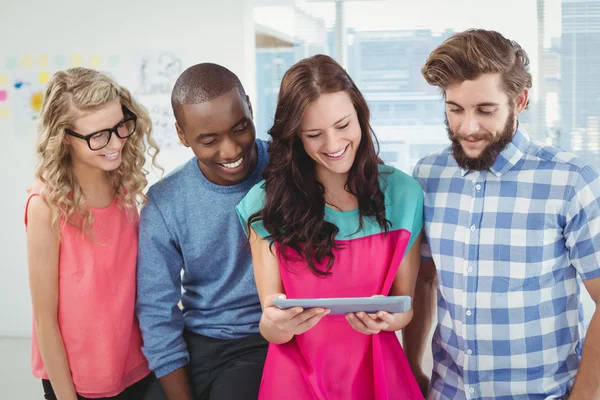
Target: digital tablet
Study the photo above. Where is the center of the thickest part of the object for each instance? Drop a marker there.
(344, 305)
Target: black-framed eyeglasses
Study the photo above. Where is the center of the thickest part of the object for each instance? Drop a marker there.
(100, 139)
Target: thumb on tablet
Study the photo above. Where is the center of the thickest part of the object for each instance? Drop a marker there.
(269, 298)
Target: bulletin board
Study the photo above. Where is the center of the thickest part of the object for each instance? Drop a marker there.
(149, 77)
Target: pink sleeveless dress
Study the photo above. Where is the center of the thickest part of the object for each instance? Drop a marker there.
(332, 361)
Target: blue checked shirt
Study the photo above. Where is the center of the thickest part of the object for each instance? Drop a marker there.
(509, 245)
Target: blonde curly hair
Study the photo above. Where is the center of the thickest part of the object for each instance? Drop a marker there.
(68, 94)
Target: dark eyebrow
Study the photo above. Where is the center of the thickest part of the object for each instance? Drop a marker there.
(210, 135)
(488, 104)
(485, 104)
(451, 103)
(336, 122)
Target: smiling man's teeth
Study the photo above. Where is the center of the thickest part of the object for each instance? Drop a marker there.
(339, 153)
(235, 164)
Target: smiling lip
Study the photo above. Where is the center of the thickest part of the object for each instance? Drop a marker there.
(233, 165)
(337, 154)
(112, 156)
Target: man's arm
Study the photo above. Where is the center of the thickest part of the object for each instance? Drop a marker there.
(582, 240)
(587, 382)
(158, 294)
(415, 334)
(176, 385)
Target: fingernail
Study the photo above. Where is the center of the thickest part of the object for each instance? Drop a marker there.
(350, 316)
(361, 315)
(327, 312)
(319, 311)
(380, 314)
(281, 297)
(298, 310)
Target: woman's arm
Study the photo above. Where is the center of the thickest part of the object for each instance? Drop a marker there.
(403, 285)
(277, 326)
(43, 246)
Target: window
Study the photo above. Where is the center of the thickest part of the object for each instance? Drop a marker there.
(383, 45)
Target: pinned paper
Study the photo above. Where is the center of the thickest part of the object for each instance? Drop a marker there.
(36, 101)
(11, 62)
(4, 113)
(76, 61)
(114, 61)
(44, 77)
(43, 61)
(60, 61)
(27, 62)
(3, 80)
(3, 95)
(96, 61)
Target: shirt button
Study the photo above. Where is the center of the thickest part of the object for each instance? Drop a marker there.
(469, 351)
(469, 312)
(471, 390)
(473, 228)
(478, 187)
(470, 269)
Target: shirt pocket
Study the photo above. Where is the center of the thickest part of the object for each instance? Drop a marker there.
(518, 259)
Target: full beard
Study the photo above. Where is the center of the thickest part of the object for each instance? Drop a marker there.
(488, 156)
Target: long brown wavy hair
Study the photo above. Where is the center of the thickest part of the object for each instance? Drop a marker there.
(294, 212)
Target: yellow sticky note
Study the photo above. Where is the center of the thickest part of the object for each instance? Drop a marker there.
(27, 62)
(36, 101)
(43, 61)
(44, 77)
(3, 80)
(96, 61)
(4, 113)
(76, 61)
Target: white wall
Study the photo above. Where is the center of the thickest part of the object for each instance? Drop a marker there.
(196, 31)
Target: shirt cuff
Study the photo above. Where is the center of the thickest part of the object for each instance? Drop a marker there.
(170, 367)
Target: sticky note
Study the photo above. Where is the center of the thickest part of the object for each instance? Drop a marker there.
(27, 62)
(3, 95)
(36, 101)
(4, 113)
(60, 61)
(11, 62)
(44, 77)
(43, 61)
(114, 61)
(95, 61)
(3, 80)
(76, 61)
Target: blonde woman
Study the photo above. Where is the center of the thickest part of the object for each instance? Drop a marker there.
(82, 221)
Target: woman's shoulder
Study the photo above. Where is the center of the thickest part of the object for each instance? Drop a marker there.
(254, 200)
(398, 183)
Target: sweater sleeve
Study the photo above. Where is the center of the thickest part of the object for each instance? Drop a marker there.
(158, 293)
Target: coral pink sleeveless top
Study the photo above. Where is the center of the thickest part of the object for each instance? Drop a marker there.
(97, 290)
